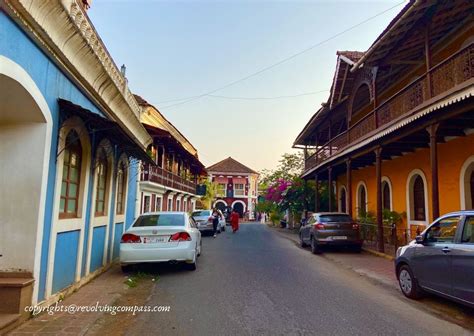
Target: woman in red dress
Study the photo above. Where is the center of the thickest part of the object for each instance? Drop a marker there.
(234, 221)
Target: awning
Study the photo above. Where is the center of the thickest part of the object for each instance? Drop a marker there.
(105, 128)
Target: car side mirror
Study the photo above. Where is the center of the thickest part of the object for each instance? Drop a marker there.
(420, 239)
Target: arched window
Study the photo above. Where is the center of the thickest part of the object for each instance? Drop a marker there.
(419, 199)
(361, 99)
(121, 187)
(342, 200)
(362, 199)
(71, 176)
(101, 190)
(472, 190)
(386, 197)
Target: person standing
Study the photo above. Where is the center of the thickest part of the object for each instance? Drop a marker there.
(215, 220)
(234, 221)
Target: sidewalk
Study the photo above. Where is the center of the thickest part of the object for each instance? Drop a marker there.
(105, 290)
(375, 268)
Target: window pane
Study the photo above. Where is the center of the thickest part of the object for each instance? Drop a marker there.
(468, 232)
(100, 207)
(62, 202)
(160, 220)
(65, 168)
(74, 159)
(73, 174)
(101, 195)
(66, 155)
(63, 188)
(72, 192)
(71, 206)
(443, 231)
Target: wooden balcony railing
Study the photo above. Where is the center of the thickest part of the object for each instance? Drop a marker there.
(161, 176)
(455, 70)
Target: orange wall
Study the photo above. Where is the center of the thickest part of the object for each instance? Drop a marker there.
(451, 157)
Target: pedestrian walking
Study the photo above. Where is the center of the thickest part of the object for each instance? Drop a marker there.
(215, 220)
(234, 221)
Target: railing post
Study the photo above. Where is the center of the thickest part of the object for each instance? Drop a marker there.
(349, 186)
(432, 129)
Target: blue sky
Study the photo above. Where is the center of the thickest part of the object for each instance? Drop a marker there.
(179, 49)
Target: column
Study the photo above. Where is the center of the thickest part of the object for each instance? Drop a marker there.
(432, 129)
(316, 195)
(378, 176)
(349, 186)
(330, 189)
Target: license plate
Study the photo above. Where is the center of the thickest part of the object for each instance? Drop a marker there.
(339, 237)
(154, 240)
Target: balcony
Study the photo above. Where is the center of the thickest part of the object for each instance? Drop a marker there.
(161, 176)
(438, 81)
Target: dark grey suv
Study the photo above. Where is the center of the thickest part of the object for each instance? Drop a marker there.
(330, 229)
(440, 260)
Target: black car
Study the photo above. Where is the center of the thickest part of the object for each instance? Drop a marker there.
(440, 260)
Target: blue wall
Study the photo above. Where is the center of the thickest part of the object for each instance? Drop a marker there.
(65, 259)
(53, 84)
(117, 237)
(98, 246)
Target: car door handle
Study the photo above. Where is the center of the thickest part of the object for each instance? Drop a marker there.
(446, 250)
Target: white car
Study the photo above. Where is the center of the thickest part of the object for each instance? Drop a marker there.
(161, 237)
(204, 220)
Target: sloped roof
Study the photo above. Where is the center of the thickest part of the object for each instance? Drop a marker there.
(230, 165)
(354, 56)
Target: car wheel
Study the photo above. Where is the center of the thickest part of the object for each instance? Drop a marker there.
(302, 243)
(314, 246)
(126, 268)
(408, 283)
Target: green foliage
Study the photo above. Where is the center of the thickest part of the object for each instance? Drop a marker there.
(289, 166)
(211, 191)
(393, 217)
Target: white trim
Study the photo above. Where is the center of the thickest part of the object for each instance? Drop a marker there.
(409, 200)
(389, 183)
(64, 225)
(219, 201)
(101, 220)
(243, 203)
(120, 218)
(362, 184)
(339, 199)
(462, 181)
(14, 71)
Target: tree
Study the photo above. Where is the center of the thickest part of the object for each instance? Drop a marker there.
(208, 198)
(289, 166)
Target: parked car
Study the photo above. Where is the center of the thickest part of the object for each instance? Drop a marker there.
(330, 229)
(440, 260)
(204, 219)
(161, 237)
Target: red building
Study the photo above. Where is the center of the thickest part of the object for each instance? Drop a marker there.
(236, 186)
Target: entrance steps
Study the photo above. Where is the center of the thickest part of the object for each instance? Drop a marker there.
(16, 291)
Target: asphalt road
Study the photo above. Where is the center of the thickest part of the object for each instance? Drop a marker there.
(258, 283)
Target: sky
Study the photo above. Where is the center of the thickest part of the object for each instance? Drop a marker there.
(181, 49)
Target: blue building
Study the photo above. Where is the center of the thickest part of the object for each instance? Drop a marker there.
(70, 143)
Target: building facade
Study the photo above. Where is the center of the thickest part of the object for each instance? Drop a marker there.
(397, 131)
(236, 186)
(70, 143)
(170, 183)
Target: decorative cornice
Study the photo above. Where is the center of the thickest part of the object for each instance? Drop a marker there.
(63, 30)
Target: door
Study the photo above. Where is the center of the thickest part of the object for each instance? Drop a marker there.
(462, 257)
(432, 261)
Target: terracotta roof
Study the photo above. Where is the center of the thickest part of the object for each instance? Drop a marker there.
(352, 55)
(230, 165)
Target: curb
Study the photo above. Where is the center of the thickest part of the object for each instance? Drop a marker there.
(378, 254)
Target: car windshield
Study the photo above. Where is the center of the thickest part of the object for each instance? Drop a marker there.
(160, 220)
(201, 213)
(335, 218)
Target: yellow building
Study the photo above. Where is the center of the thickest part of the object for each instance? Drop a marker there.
(397, 131)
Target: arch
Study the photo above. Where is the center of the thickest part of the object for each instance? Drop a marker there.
(466, 184)
(342, 199)
(361, 197)
(220, 204)
(361, 97)
(387, 193)
(417, 180)
(240, 207)
(103, 177)
(121, 185)
(31, 131)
